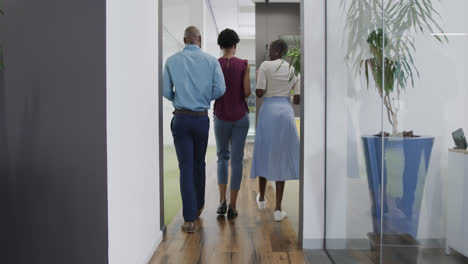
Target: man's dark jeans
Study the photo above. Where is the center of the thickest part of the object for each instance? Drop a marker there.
(191, 139)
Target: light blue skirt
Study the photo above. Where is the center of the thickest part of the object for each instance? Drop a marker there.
(276, 149)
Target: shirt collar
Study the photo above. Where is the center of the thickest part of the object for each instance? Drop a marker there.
(191, 47)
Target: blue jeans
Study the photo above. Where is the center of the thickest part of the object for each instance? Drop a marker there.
(191, 139)
(233, 134)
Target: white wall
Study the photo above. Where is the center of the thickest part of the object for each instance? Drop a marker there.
(314, 121)
(132, 130)
(179, 14)
(246, 50)
(210, 38)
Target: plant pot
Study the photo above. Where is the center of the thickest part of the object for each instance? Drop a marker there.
(393, 248)
(405, 168)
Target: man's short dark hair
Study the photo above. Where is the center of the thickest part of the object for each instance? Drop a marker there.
(228, 38)
(280, 46)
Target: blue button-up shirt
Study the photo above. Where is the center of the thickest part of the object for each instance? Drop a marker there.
(197, 78)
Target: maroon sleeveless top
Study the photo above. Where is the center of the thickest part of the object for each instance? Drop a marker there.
(232, 105)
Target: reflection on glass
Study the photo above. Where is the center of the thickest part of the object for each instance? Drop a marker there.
(407, 156)
(353, 110)
(251, 103)
(412, 224)
(391, 111)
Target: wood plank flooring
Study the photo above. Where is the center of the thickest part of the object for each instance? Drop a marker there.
(253, 237)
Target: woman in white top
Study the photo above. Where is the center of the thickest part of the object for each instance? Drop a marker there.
(276, 153)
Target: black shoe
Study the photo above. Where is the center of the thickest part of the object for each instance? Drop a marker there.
(222, 208)
(232, 213)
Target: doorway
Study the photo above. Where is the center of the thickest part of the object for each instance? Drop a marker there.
(175, 15)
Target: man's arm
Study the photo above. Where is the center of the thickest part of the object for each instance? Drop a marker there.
(168, 85)
(219, 85)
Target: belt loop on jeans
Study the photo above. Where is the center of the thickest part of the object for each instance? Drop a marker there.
(190, 113)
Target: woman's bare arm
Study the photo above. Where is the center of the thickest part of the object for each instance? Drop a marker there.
(247, 91)
(297, 90)
(261, 81)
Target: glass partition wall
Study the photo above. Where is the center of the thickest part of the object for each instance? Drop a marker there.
(397, 89)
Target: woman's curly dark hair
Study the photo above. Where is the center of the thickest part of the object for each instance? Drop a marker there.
(279, 46)
(228, 38)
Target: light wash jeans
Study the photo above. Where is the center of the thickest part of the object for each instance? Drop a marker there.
(230, 141)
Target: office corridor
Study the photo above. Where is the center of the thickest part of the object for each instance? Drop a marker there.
(253, 237)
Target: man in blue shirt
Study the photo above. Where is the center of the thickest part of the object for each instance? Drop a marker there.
(192, 79)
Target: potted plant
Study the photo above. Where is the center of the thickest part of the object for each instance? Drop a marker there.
(384, 52)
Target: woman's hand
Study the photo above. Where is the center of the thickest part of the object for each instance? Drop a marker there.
(260, 93)
(297, 99)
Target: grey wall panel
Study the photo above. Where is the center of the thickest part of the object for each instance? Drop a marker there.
(55, 122)
(271, 21)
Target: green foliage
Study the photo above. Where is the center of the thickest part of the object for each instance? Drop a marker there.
(374, 64)
(293, 55)
(404, 19)
(381, 42)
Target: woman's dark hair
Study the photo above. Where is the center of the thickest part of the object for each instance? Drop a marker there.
(279, 46)
(228, 38)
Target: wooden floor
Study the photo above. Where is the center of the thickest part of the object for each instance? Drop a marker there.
(253, 237)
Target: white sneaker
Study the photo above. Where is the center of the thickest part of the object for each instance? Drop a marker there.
(261, 205)
(280, 215)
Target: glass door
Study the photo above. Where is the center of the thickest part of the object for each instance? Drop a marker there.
(397, 168)
(425, 102)
(354, 125)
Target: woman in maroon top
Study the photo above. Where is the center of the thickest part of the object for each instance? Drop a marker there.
(231, 120)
